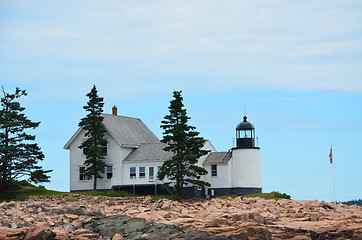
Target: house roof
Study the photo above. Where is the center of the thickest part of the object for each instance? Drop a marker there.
(149, 152)
(217, 158)
(127, 131)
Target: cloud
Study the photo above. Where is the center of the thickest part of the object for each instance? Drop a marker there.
(199, 44)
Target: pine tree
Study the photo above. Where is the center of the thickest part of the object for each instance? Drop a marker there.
(18, 154)
(186, 146)
(94, 146)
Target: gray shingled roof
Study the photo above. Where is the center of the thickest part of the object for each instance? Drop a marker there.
(128, 131)
(149, 152)
(217, 158)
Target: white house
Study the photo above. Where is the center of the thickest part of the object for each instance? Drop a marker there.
(134, 155)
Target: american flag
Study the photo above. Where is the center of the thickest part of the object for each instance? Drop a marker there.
(331, 156)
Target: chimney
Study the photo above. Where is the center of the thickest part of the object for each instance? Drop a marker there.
(114, 110)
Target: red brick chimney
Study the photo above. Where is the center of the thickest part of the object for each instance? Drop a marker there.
(114, 110)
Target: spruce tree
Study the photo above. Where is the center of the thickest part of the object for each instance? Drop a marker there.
(19, 155)
(183, 141)
(93, 146)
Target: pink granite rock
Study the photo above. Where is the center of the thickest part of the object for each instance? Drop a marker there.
(117, 236)
(297, 219)
(13, 234)
(40, 233)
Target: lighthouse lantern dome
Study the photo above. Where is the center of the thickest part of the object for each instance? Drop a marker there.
(245, 134)
(245, 125)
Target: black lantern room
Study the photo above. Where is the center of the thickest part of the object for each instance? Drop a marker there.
(245, 134)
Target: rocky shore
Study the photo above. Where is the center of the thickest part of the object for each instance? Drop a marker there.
(83, 217)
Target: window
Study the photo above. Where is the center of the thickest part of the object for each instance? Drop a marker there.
(213, 170)
(150, 173)
(132, 172)
(158, 170)
(109, 172)
(81, 173)
(84, 150)
(104, 148)
(142, 172)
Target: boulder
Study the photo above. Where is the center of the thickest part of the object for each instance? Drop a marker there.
(12, 234)
(138, 228)
(81, 234)
(117, 236)
(40, 233)
(346, 234)
(253, 234)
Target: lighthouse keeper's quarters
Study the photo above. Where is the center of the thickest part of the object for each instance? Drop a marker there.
(134, 155)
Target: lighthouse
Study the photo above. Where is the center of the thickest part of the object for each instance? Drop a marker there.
(246, 175)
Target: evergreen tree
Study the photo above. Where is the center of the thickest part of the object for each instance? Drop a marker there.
(186, 146)
(95, 144)
(18, 154)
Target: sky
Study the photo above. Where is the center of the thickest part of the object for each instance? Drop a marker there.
(294, 68)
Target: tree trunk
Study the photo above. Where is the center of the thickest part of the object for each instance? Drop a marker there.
(94, 183)
(95, 176)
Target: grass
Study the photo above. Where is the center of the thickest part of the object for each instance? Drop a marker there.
(103, 193)
(23, 190)
(23, 194)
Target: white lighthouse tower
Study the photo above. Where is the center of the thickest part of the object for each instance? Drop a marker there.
(246, 175)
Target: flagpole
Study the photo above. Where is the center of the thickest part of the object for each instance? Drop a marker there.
(334, 186)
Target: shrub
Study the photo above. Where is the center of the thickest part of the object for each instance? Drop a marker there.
(281, 195)
(273, 195)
